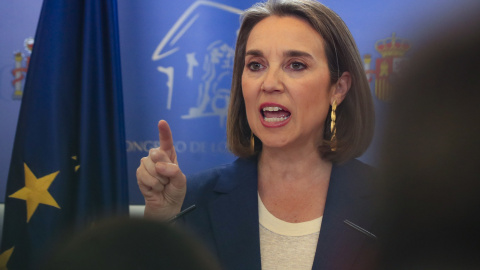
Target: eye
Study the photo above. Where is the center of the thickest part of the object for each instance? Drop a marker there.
(297, 66)
(254, 66)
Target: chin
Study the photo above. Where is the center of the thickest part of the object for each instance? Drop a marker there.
(274, 143)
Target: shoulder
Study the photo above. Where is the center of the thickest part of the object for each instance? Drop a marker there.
(209, 184)
(354, 177)
(354, 169)
(356, 165)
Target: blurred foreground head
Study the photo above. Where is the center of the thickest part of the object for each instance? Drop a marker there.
(132, 244)
(431, 155)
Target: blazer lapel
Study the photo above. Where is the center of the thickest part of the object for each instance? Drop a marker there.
(234, 217)
(349, 198)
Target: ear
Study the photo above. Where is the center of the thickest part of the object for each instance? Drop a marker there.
(341, 88)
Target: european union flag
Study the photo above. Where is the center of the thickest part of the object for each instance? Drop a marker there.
(68, 166)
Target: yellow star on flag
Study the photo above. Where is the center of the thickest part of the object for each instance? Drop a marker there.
(4, 257)
(36, 191)
(78, 166)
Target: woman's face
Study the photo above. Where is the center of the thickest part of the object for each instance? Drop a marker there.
(286, 83)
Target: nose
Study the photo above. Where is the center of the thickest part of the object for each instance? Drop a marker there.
(273, 81)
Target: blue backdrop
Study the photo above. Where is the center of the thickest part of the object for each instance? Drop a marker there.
(177, 61)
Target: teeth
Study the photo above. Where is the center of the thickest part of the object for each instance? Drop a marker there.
(275, 119)
(272, 109)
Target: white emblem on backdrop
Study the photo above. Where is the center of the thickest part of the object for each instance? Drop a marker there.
(216, 65)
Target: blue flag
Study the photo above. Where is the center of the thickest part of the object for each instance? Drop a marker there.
(68, 167)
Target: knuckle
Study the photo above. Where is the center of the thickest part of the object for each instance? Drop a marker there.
(176, 170)
(139, 172)
(159, 187)
(162, 155)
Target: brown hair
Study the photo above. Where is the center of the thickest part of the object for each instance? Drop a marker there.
(355, 115)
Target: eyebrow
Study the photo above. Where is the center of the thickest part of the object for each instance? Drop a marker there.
(290, 53)
(254, 53)
(294, 53)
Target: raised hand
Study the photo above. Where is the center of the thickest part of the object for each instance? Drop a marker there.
(162, 183)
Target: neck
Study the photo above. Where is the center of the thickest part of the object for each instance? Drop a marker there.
(293, 185)
(297, 165)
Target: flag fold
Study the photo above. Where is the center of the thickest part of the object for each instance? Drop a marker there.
(68, 166)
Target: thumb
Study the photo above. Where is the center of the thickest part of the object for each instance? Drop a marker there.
(176, 189)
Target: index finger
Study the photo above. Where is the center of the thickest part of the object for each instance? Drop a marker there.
(165, 136)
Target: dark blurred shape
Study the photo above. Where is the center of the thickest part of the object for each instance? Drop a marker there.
(431, 164)
(131, 244)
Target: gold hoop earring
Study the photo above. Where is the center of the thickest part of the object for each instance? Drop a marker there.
(333, 127)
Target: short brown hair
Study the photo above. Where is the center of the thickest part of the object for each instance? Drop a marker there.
(355, 115)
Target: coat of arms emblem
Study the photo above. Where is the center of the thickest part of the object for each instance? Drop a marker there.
(21, 66)
(392, 50)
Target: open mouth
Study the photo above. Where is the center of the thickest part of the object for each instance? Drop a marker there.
(274, 114)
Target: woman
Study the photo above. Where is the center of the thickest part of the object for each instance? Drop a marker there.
(300, 111)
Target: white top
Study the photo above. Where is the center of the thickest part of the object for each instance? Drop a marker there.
(285, 245)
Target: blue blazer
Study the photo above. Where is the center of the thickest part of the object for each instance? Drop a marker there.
(226, 217)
